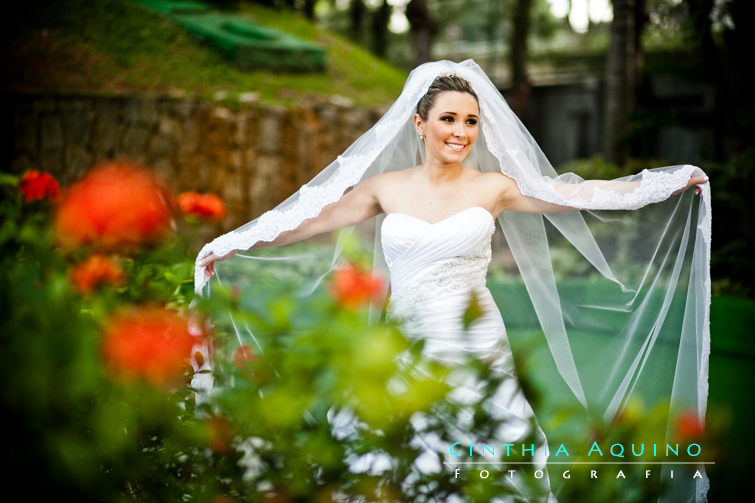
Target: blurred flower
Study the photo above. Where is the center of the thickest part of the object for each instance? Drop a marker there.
(39, 185)
(221, 434)
(94, 271)
(115, 205)
(243, 354)
(688, 426)
(352, 287)
(205, 206)
(149, 342)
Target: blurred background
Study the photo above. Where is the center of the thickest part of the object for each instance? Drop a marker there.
(606, 87)
(248, 100)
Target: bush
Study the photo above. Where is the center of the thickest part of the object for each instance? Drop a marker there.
(99, 349)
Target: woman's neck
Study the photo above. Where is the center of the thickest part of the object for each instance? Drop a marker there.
(440, 173)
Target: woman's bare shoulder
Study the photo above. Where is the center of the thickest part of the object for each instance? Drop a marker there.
(494, 179)
(392, 177)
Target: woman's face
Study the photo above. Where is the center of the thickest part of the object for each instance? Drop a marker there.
(451, 126)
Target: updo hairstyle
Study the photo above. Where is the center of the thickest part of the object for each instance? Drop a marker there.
(441, 84)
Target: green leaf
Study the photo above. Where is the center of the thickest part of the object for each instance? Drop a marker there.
(472, 312)
(10, 180)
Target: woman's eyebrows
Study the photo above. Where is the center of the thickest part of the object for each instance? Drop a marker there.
(454, 113)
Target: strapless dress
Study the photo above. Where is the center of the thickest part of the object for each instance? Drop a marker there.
(435, 269)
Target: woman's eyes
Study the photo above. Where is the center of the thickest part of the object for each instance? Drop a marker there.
(471, 122)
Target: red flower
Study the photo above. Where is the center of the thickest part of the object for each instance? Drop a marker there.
(38, 185)
(243, 354)
(94, 271)
(150, 343)
(115, 205)
(221, 434)
(688, 426)
(205, 206)
(352, 287)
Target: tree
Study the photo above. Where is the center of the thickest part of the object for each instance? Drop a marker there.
(422, 28)
(380, 19)
(357, 11)
(621, 76)
(308, 9)
(519, 50)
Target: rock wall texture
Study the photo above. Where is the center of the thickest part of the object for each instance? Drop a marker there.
(251, 155)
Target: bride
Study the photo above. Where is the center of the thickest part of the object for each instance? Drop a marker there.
(435, 221)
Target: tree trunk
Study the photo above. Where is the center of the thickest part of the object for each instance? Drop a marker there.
(621, 78)
(422, 28)
(357, 12)
(380, 19)
(519, 49)
(700, 21)
(308, 8)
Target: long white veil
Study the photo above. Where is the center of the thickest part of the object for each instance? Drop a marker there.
(647, 269)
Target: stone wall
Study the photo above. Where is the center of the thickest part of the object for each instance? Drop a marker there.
(252, 155)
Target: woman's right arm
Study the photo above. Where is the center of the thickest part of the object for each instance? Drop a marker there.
(355, 206)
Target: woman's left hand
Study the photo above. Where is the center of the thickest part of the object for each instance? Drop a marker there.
(693, 180)
(208, 262)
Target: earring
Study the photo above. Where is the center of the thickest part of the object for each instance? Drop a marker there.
(419, 134)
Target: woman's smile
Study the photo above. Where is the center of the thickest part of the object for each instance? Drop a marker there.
(456, 147)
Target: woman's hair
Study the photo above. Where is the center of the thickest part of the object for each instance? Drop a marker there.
(440, 84)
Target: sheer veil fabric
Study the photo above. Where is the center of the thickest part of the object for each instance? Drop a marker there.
(639, 256)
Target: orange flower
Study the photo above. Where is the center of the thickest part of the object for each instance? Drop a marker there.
(150, 343)
(116, 205)
(38, 185)
(688, 426)
(352, 287)
(94, 271)
(205, 206)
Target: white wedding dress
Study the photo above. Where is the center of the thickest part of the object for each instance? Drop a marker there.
(434, 268)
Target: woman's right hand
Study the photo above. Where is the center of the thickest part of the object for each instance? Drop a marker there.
(208, 262)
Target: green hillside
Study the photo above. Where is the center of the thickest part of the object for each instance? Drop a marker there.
(119, 46)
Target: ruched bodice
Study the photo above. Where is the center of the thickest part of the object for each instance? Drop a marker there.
(431, 258)
(434, 269)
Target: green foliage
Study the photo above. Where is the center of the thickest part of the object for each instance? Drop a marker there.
(83, 433)
(312, 394)
(266, 428)
(731, 263)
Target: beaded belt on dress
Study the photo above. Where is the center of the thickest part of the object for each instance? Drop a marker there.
(457, 274)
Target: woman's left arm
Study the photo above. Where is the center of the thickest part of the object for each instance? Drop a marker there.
(511, 198)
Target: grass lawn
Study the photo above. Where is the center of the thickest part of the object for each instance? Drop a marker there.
(119, 46)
